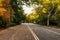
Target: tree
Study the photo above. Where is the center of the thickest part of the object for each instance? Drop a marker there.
(51, 7)
(48, 6)
(32, 17)
(17, 7)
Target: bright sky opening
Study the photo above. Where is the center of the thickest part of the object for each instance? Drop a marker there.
(27, 9)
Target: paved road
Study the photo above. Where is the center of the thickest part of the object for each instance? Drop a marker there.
(19, 32)
(45, 33)
(29, 31)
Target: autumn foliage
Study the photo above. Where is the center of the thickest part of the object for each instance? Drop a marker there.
(6, 17)
(4, 14)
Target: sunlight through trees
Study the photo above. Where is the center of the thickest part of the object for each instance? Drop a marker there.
(46, 12)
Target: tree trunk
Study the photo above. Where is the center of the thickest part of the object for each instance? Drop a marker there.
(48, 18)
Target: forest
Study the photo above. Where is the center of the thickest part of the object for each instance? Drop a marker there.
(45, 12)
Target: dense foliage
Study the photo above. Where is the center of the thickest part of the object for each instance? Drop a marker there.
(48, 11)
(11, 12)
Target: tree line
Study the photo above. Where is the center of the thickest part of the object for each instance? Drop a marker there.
(48, 11)
(11, 13)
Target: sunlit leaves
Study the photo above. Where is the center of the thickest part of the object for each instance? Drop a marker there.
(44, 10)
(32, 16)
(46, 1)
(37, 10)
(0, 3)
(2, 11)
(4, 14)
(58, 6)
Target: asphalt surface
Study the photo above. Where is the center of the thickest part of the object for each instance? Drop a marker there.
(45, 33)
(30, 31)
(19, 32)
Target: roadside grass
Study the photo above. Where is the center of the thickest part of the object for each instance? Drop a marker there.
(55, 27)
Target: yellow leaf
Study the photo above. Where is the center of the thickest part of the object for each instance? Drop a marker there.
(46, 1)
(32, 16)
(3, 10)
(0, 2)
(58, 6)
(44, 10)
(0, 5)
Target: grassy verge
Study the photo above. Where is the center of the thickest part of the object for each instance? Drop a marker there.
(56, 27)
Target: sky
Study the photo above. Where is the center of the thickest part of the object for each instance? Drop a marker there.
(27, 9)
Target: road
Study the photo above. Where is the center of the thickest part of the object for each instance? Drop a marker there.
(30, 31)
(45, 33)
